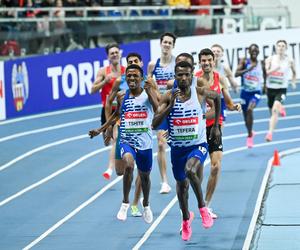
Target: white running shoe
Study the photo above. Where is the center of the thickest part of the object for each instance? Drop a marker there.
(212, 214)
(165, 188)
(147, 215)
(122, 214)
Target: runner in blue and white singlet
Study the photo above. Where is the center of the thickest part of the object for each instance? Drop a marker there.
(163, 74)
(162, 70)
(252, 74)
(183, 108)
(135, 109)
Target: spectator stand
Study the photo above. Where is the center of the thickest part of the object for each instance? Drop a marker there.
(65, 28)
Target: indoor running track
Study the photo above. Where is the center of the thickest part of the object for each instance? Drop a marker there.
(53, 196)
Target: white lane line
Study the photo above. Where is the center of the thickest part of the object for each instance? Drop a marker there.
(151, 229)
(65, 111)
(56, 143)
(258, 109)
(156, 222)
(53, 175)
(278, 130)
(30, 132)
(46, 146)
(295, 93)
(260, 197)
(41, 148)
(75, 211)
(35, 131)
(97, 106)
(292, 117)
(107, 148)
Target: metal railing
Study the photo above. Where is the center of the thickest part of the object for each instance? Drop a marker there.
(126, 23)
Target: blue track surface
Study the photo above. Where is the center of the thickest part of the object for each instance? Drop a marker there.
(52, 194)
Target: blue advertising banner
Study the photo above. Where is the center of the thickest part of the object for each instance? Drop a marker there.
(58, 81)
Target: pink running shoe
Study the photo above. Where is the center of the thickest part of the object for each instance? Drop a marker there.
(268, 137)
(282, 111)
(186, 228)
(249, 142)
(207, 220)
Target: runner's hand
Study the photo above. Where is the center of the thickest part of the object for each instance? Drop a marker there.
(238, 107)
(93, 133)
(215, 134)
(149, 83)
(174, 96)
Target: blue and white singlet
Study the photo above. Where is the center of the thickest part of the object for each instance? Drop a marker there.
(163, 74)
(253, 79)
(186, 124)
(136, 119)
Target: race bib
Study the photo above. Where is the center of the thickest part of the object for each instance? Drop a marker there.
(185, 128)
(135, 122)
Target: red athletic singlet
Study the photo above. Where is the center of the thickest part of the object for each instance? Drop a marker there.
(215, 87)
(108, 86)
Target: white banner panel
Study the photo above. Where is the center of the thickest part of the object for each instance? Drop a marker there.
(235, 45)
(2, 93)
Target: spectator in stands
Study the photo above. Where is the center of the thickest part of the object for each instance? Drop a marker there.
(236, 3)
(79, 35)
(217, 16)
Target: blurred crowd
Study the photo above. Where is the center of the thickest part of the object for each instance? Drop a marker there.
(47, 35)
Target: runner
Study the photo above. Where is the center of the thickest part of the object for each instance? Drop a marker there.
(121, 84)
(222, 68)
(183, 108)
(163, 70)
(277, 71)
(105, 78)
(252, 73)
(181, 57)
(135, 108)
(212, 79)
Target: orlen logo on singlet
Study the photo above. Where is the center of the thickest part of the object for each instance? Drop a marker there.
(136, 115)
(251, 78)
(276, 73)
(185, 121)
(161, 82)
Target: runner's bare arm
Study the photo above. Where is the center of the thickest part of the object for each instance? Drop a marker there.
(241, 70)
(111, 119)
(165, 105)
(111, 97)
(150, 88)
(101, 80)
(230, 78)
(229, 102)
(170, 84)
(223, 82)
(294, 76)
(150, 68)
(202, 83)
(210, 114)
